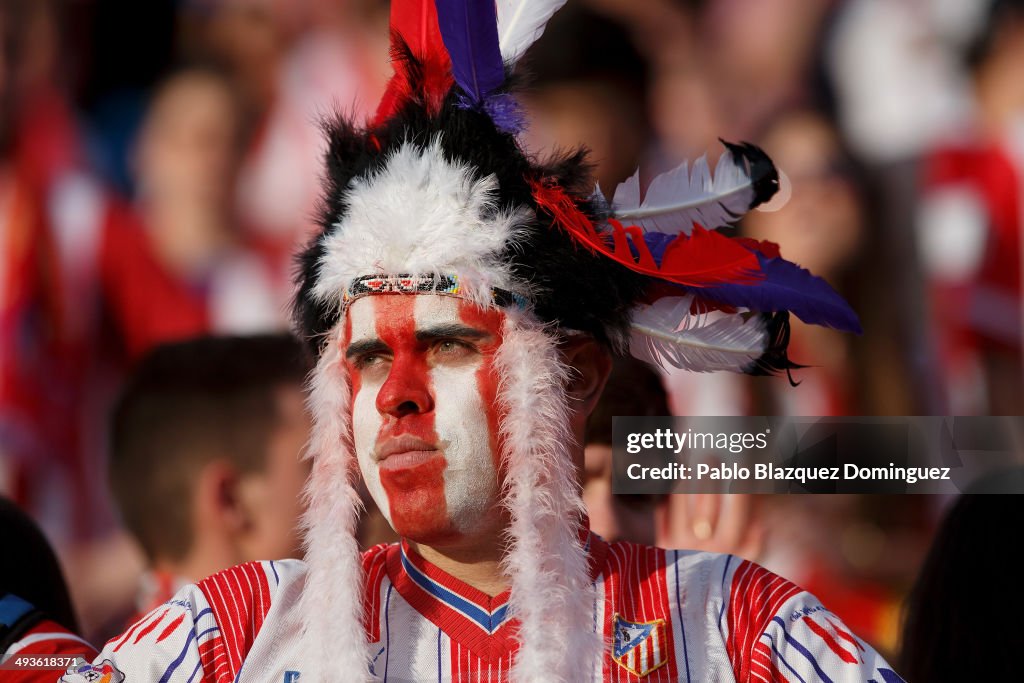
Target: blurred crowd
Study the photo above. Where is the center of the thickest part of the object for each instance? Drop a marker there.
(160, 161)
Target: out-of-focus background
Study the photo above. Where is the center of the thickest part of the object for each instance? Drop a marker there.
(159, 163)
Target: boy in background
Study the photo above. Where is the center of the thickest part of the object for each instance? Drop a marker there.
(206, 463)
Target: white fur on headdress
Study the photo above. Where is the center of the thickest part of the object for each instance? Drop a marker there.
(332, 605)
(552, 594)
(422, 215)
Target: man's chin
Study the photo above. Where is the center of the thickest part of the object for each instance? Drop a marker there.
(426, 534)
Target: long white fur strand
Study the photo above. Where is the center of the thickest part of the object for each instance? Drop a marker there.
(552, 594)
(334, 638)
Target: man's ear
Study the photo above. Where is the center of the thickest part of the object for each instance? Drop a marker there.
(591, 364)
(217, 497)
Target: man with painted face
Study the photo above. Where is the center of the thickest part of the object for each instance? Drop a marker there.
(463, 301)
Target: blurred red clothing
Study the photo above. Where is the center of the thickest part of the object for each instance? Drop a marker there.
(970, 242)
(985, 308)
(81, 296)
(148, 305)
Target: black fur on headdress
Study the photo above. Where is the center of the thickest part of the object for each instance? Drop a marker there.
(575, 289)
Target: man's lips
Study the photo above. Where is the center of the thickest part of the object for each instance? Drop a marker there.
(402, 452)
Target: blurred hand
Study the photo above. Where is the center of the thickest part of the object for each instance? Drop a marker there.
(716, 522)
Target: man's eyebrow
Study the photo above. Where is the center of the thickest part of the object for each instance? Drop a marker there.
(448, 331)
(365, 346)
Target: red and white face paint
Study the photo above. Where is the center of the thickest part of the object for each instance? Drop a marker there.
(424, 411)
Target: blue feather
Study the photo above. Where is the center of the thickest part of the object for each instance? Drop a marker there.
(785, 287)
(470, 32)
(657, 242)
(788, 287)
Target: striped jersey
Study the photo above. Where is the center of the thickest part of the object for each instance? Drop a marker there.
(665, 615)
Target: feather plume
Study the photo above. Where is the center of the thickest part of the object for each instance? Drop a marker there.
(420, 60)
(701, 259)
(668, 332)
(788, 287)
(521, 23)
(744, 178)
(785, 286)
(470, 34)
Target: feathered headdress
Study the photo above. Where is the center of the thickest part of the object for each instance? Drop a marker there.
(437, 190)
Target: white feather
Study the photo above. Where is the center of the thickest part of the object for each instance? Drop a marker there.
(667, 333)
(599, 200)
(683, 196)
(521, 23)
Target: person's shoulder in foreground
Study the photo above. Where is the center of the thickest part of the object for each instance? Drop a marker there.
(209, 629)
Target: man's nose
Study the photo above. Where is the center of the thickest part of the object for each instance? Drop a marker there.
(407, 390)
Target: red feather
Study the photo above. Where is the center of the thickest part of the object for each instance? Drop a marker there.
(555, 201)
(710, 257)
(414, 22)
(704, 258)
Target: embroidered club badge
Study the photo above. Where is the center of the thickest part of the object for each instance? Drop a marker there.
(639, 647)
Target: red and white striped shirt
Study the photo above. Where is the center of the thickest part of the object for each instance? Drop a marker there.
(666, 615)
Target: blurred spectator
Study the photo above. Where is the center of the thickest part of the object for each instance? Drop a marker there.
(186, 164)
(718, 523)
(821, 228)
(588, 82)
(633, 389)
(36, 616)
(206, 461)
(897, 88)
(36, 577)
(969, 229)
(950, 634)
(294, 63)
(894, 69)
(71, 268)
(759, 55)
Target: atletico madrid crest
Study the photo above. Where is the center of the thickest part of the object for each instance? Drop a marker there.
(639, 647)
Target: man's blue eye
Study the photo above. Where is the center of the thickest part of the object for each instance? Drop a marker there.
(453, 347)
(369, 360)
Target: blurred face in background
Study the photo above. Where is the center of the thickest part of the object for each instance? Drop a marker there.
(189, 146)
(614, 517)
(820, 226)
(249, 37)
(565, 115)
(272, 497)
